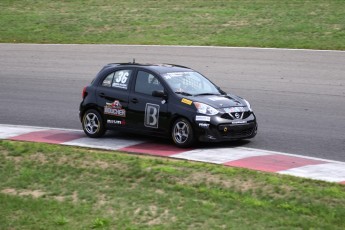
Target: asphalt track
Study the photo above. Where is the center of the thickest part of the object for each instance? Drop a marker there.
(298, 95)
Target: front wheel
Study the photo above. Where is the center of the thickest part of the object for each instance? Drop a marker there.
(93, 125)
(182, 133)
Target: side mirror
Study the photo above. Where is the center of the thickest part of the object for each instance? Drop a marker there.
(158, 93)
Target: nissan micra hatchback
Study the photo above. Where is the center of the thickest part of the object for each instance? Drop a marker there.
(164, 100)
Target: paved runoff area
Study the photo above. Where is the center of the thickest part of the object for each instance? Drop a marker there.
(255, 159)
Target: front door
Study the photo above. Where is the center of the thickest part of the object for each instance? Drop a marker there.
(148, 113)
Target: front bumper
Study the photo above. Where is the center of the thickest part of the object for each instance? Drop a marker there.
(218, 129)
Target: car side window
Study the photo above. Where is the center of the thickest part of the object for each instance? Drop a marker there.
(146, 83)
(108, 80)
(119, 79)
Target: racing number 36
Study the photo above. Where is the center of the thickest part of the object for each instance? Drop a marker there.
(122, 77)
(151, 115)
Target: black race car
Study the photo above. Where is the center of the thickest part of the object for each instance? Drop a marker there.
(164, 100)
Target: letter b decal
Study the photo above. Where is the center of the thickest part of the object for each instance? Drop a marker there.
(151, 115)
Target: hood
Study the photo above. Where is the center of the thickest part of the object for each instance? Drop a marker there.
(220, 101)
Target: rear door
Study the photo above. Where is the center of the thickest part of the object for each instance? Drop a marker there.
(112, 96)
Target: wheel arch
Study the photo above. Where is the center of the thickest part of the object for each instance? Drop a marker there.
(177, 116)
(88, 107)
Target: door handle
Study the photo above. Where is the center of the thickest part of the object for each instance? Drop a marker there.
(101, 94)
(134, 100)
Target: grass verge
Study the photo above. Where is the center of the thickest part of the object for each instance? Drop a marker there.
(46, 186)
(317, 24)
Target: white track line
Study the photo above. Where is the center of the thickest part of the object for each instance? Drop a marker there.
(219, 155)
(333, 172)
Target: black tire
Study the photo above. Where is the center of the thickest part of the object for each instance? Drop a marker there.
(93, 124)
(182, 133)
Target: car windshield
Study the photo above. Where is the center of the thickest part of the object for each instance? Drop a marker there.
(190, 83)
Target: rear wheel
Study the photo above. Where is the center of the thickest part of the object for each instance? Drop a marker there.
(93, 125)
(182, 133)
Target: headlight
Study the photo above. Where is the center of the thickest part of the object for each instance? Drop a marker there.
(205, 109)
(248, 105)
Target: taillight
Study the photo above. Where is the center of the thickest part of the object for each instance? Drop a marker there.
(84, 94)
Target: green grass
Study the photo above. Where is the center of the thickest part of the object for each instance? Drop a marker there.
(315, 24)
(55, 187)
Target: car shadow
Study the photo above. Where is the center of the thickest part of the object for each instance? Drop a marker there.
(227, 144)
(168, 142)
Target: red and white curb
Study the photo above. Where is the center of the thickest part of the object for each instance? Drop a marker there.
(256, 159)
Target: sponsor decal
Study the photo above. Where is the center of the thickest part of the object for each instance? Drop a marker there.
(204, 125)
(239, 122)
(114, 109)
(116, 122)
(186, 101)
(202, 118)
(216, 98)
(234, 110)
(176, 74)
(151, 115)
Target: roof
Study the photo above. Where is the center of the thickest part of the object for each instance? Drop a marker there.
(159, 67)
